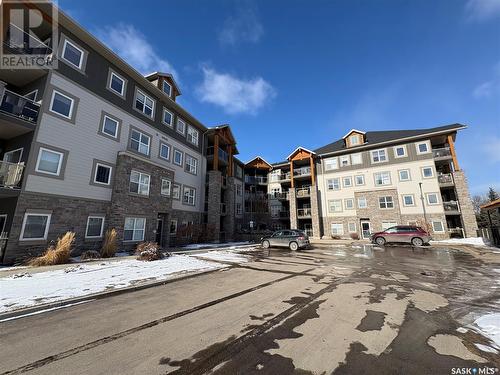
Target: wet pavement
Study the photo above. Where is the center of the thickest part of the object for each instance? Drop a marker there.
(333, 309)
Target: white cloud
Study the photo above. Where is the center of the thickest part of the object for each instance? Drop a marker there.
(131, 45)
(243, 26)
(233, 94)
(481, 10)
(488, 88)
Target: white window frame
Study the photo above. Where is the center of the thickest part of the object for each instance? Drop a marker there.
(134, 229)
(404, 180)
(354, 227)
(183, 132)
(87, 226)
(163, 145)
(82, 56)
(378, 151)
(97, 165)
(405, 154)
(356, 137)
(171, 124)
(170, 227)
(356, 179)
(140, 183)
(423, 174)
(146, 97)
(113, 120)
(333, 163)
(113, 74)
(404, 196)
(346, 206)
(428, 145)
(427, 195)
(357, 158)
(182, 157)
(337, 226)
(176, 191)
(59, 166)
(191, 131)
(71, 107)
(434, 228)
(190, 197)
(169, 93)
(335, 179)
(362, 199)
(140, 141)
(345, 158)
(386, 202)
(190, 166)
(25, 219)
(386, 174)
(340, 205)
(347, 178)
(169, 192)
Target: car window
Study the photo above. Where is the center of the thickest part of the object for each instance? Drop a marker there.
(391, 230)
(277, 234)
(287, 233)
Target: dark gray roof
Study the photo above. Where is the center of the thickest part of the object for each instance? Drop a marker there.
(375, 137)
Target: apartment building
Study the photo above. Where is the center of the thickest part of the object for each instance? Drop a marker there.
(369, 181)
(94, 145)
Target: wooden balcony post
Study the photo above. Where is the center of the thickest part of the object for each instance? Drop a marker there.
(291, 173)
(216, 153)
(453, 153)
(311, 162)
(230, 161)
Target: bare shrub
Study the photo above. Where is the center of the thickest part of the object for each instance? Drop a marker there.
(110, 245)
(90, 254)
(58, 254)
(425, 225)
(354, 236)
(148, 251)
(335, 237)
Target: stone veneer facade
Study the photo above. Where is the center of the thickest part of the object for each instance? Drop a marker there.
(466, 208)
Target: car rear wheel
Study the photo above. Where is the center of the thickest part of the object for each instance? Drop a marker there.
(380, 241)
(294, 246)
(266, 244)
(417, 241)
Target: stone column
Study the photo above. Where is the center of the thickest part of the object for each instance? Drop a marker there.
(213, 212)
(293, 208)
(466, 208)
(230, 200)
(315, 212)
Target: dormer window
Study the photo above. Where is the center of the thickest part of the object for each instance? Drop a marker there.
(167, 88)
(354, 138)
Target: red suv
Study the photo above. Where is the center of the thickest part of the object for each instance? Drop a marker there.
(402, 233)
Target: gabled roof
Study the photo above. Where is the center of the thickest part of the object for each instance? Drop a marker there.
(492, 204)
(155, 75)
(257, 158)
(226, 128)
(300, 148)
(373, 138)
(353, 131)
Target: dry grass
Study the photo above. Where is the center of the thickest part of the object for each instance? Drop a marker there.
(148, 251)
(109, 246)
(90, 254)
(58, 254)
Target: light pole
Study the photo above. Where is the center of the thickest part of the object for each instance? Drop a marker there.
(423, 202)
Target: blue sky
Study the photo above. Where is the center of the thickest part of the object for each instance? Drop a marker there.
(289, 73)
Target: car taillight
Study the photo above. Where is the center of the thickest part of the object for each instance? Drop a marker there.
(301, 238)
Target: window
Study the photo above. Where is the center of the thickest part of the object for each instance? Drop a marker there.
(164, 151)
(404, 175)
(192, 135)
(72, 54)
(345, 160)
(354, 140)
(61, 104)
(166, 186)
(178, 156)
(189, 196)
(95, 226)
(357, 158)
(332, 163)
(110, 126)
(400, 151)
(139, 183)
(423, 147)
(144, 103)
(335, 205)
(176, 191)
(173, 227)
(382, 178)
(337, 228)
(239, 191)
(168, 117)
(333, 183)
(386, 202)
(362, 203)
(134, 229)
(349, 204)
(437, 226)
(49, 162)
(239, 172)
(167, 89)
(191, 164)
(359, 180)
(408, 200)
(351, 227)
(116, 84)
(347, 181)
(35, 226)
(432, 199)
(379, 156)
(181, 126)
(139, 142)
(238, 209)
(427, 172)
(102, 174)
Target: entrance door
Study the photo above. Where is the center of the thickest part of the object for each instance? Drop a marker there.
(365, 229)
(159, 232)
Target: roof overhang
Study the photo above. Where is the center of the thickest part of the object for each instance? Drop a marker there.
(256, 161)
(155, 75)
(300, 149)
(491, 205)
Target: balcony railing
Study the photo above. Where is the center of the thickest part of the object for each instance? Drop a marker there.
(281, 196)
(441, 152)
(10, 175)
(284, 214)
(303, 192)
(445, 178)
(451, 206)
(223, 155)
(284, 176)
(304, 212)
(255, 195)
(304, 171)
(19, 106)
(256, 180)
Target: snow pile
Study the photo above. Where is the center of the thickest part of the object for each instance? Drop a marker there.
(214, 245)
(24, 290)
(223, 256)
(476, 241)
(489, 326)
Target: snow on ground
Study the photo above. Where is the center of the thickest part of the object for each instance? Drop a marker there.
(24, 289)
(223, 256)
(489, 326)
(212, 245)
(11, 268)
(477, 241)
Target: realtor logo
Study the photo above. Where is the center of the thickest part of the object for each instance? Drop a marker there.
(28, 34)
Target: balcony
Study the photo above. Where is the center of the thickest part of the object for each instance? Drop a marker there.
(304, 213)
(20, 107)
(284, 177)
(223, 155)
(451, 207)
(441, 153)
(304, 171)
(445, 179)
(284, 214)
(10, 175)
(303, 192)
(256, 180)
(255, 196)
(280, 196)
